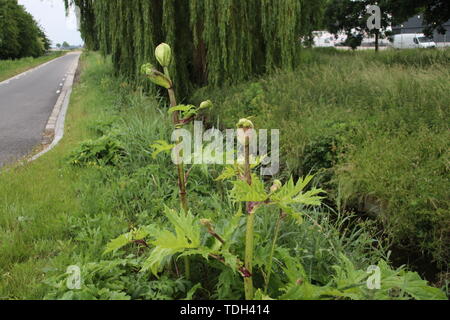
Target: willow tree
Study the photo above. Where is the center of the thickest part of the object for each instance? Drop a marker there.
(87, 21)
(215, 42)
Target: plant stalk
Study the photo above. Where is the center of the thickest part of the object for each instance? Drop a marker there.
(249, 236)
(249, 247)
(181, 174)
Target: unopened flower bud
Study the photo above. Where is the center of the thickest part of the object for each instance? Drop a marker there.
(276, 186)
(245, 124)
(155, 76)
(147, 68)
(163, 54)
(206, 105)
(246, 132)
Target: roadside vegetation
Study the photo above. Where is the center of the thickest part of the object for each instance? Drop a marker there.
(10, 68)
(109, 205)
(374, 129)
(35, 218)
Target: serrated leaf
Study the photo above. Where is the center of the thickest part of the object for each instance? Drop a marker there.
(127, 238)
(181, 108)
(161, 146)
(310, 198)
(118, 243)
(228, 173)
(186, 236)
(244, 192)
(158, 258)
(290, 190)
(230, 259)
(409, 282)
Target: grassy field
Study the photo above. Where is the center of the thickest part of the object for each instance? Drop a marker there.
(102, 182)
(10, 68)
(375, 129)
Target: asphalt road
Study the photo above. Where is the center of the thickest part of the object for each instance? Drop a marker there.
(26, 104)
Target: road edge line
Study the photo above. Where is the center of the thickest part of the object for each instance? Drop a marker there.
(56, 122)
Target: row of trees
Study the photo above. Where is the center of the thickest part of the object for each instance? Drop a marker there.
(64, 45)
(215, 41)
(351, 16)
(20, 34)
(223, 41)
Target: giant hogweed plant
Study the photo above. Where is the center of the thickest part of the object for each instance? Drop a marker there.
(248, 188)
(181, 115)
(191, 235)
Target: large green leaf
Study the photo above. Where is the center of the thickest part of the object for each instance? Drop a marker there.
(161, 146)
(186, 235)
(127, 238)
(244, 192)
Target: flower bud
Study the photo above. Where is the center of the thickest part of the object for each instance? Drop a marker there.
(147, 68)
(206, 105)
(245, 124)
(163, 54)
(276, 186)
(246, 132)
(155, 76)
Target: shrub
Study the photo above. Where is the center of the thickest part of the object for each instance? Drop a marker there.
(104, 151)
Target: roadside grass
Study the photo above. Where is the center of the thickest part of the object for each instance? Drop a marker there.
(10, 68)
(102, 182)
(375, 129)
(37, 200)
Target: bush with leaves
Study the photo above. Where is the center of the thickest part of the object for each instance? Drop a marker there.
(104, 151)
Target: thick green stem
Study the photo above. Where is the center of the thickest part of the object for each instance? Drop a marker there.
(181, 174)
(249, 236)
(180, 166)
(249, 247)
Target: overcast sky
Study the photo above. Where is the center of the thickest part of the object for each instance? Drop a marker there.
(51, 14)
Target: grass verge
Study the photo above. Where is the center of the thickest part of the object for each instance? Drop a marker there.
(37, 200)
(10, 68)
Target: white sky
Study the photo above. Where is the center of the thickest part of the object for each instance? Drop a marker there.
(51, 14)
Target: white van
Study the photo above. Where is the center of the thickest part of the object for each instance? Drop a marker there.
(411, 41)
(323, 39)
